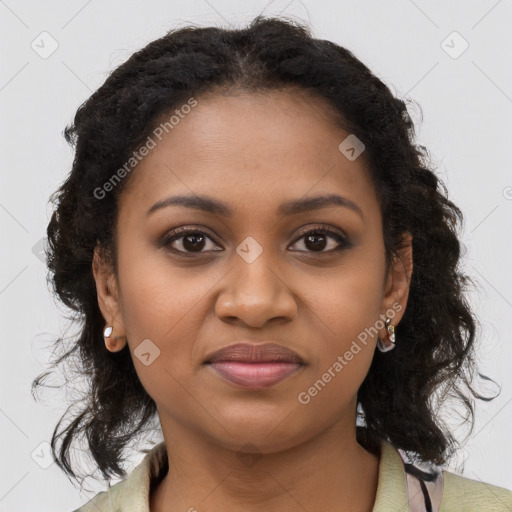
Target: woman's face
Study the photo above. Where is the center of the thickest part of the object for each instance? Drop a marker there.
(253, 275)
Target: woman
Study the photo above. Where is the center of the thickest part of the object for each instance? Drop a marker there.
(273, 268)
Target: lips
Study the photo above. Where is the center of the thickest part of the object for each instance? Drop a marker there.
(252, 353)
(255, 367)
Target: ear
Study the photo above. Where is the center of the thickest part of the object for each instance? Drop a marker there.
(396, 288)
(108, 299)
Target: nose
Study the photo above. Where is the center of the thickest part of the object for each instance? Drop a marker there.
(256, 292)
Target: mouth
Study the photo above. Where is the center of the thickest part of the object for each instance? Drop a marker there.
(252, 366)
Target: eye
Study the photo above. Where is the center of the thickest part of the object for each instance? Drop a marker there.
(190, 240)
(316, 239)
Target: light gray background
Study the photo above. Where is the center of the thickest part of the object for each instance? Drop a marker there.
(466, 104)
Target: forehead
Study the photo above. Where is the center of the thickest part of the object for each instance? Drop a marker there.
(250, 148)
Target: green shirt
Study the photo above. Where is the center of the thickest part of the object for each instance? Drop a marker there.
(394, 491)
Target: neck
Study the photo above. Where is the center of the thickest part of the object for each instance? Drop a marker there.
(328, 472)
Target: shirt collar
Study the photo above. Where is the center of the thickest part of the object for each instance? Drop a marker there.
(132, 494)
(392, 485)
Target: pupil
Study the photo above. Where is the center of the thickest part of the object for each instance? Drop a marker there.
(195, 244)
(314, 239)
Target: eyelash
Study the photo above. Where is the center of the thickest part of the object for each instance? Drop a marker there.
(179, 233)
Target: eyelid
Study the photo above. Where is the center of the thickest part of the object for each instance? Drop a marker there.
(322, 228)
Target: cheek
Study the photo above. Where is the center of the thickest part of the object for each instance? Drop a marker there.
(345, 346)
(163, 309)
(348, 300)
(155, 294)
(346, 311)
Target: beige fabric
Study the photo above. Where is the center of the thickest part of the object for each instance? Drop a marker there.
(466, 495)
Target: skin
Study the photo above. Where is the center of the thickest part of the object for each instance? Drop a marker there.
(253, 151)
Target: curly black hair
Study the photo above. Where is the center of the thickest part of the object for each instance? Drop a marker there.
(403, 390)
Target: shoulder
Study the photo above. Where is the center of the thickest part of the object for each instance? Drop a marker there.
(132, 493)
(105, 500)
(126, 495)
(462, 494)
(401, 483)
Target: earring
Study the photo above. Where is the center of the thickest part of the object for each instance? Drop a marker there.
(391, 332)
(106, 334)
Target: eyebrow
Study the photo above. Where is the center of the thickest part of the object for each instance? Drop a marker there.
(293, 207)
